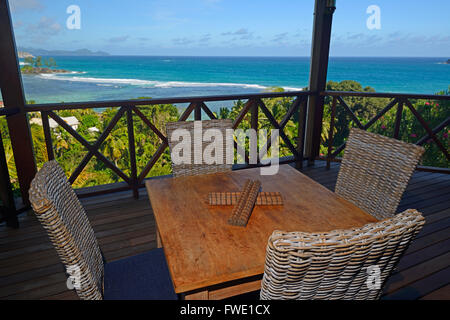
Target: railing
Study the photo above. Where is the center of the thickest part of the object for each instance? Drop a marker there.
(254, 103)
(253, 106)
(399, 100)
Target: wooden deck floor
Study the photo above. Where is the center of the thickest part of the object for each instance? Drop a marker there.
(30, 268)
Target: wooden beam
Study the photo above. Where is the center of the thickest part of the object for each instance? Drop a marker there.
(301, 133)
(149, 124)
(350, 112)
(441, 126)
(47, 135)
(428, 129)
(8, 207)
(398, 119)
(151, 102)
(254, 122)
(159, 152)
(208, 111)
(14, 98)
(247, 107)
(198, 112)
(323, 18)
(331, 133)
(92, 150)
(276, 125)
(132, 150)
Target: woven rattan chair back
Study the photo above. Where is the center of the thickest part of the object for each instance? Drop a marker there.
(375, 172)
(64, 218)
(190, 168)
(343, 264)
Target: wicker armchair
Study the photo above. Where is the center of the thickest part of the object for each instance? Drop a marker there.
(190, 168)
(375, 172)
(338, 264)
(57, 207)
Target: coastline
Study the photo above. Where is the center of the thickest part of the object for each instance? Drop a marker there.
(42, 71)
(150, 83)
(117, 78)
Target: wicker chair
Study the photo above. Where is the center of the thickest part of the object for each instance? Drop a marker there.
(337, 264)
(57, 207)
(375, 172)
(190, 168)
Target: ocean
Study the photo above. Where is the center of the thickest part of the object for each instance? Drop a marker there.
(129, 77)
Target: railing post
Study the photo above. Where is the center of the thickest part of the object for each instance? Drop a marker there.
(198, 112)
(13, 97)
(254, 122)
(398, 119)
(301, 133)
(331, 134)
(132, 147)
(8, 208)
(323, 18)
(47, 135)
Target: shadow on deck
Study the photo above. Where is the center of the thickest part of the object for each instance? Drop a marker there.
(30, 268)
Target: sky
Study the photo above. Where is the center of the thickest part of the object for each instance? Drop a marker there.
(233, 27)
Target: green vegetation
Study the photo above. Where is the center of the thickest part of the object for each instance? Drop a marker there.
(433, 112)
(40, 65)
(69, 152)
(38, 62)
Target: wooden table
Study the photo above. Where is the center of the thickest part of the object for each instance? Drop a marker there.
(209, 259)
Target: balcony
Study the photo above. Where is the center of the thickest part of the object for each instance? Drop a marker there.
(30, 268)
(313, 126)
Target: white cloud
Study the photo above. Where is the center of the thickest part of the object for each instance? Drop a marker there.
(46, 26)
(181, 41)
(118, 39)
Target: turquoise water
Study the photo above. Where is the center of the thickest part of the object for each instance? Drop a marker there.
(120, 77)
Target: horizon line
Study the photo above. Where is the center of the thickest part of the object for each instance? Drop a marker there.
(241, 56)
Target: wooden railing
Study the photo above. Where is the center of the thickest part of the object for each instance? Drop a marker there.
(253, 104)
(399, 100)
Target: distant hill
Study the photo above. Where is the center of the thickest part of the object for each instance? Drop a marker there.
(55, 53)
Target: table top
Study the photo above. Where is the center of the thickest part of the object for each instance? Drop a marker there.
(202, 249)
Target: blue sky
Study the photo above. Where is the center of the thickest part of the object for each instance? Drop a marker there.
(232, 27)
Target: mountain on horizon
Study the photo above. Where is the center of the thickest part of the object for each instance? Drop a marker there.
(80, 52)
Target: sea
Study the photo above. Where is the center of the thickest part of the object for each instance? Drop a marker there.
(130, 77)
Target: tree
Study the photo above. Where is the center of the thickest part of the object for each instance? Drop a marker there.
(52, 63)
(29, 61)
(38, 62)
(224, 113)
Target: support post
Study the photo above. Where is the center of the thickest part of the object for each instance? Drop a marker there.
(8, 207)
(398, 120)
(254, 119)
(301, 133)
(132, 148)
(198, 112)
(331, 133)
(323, 18)
(13, 97)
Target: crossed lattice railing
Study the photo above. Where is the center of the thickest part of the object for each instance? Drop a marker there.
(253, 104)
(399, 100)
